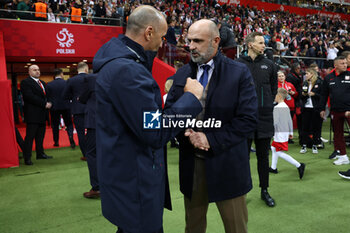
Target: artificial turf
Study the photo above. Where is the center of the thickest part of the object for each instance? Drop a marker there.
(47, 197)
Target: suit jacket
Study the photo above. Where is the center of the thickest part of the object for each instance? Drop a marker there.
(73, 90)
(232, 99)
(88, 98)
(130, 159)
(55, 89)
(34, 101)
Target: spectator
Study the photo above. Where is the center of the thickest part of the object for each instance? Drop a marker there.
(332, 52)
(50, 16)
(321, 53)
(100, 12)
(292, 94)
(227, 42)
(310, 95)
(346, 54)
(295, 78)
(53, 4)
(23, 5)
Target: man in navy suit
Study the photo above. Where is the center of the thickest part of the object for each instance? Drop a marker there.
(60, 107)
(88, 98)
(36, 107)
(131, 162)
(214, 161)
(73, 90)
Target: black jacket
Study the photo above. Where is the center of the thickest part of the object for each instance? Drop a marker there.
(338, 90)
(73, 90)
(297, 82)
(231, 98)
(227, 37)
(34, 101)
(264, 73)
(317, 89)
(88, 97)
(55, 89)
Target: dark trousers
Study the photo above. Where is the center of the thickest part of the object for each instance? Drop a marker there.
(338, 119)
(55, 122)
(79, 126)
(37, 132)
(300, 126)
(262, 147)
(91, 158)
(311, 124)
(19, 139)
(122, 231)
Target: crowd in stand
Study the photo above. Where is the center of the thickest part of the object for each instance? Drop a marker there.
(318, 5)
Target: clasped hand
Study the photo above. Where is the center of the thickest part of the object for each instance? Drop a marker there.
(198, 139)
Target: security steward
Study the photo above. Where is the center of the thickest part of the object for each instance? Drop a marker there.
(264, 73)
(75, 14)
(40, 10)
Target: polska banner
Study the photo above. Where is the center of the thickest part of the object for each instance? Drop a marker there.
(54, 40)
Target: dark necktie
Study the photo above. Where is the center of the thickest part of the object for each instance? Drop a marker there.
(204, 78)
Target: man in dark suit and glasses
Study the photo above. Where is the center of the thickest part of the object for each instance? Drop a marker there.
(60, 107)
(73, 90)
(35, 113)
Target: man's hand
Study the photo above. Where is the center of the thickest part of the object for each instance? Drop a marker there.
(48, 105)
(311, 93)
(194, 87)
(322, 114)
(198, 139)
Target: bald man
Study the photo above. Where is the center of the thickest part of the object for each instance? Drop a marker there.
(214, 161)
(36, 108)
(130, 139)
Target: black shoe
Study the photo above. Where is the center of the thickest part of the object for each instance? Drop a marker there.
(271, 170)
(56, 144)
(72, 143)
(345, 175)
(28, 162)
(301, 170)
(44, 156)
(290, 141)
(265, 196)
(334, 154)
